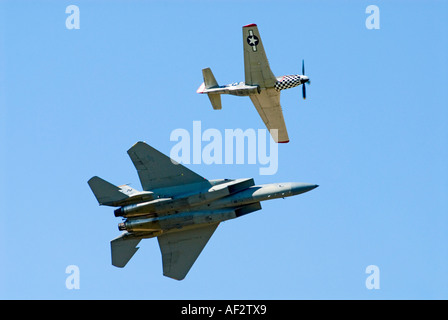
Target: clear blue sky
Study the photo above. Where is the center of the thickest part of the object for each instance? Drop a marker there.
(373, 134)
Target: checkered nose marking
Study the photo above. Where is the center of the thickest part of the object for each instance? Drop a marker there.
(287, 82)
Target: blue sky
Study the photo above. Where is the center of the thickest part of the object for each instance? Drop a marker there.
(373, 134)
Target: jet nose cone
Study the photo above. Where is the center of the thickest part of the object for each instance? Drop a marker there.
(298, 188)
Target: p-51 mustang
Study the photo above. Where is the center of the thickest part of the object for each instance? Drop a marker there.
(260, 84)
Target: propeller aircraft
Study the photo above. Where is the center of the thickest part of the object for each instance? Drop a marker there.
(260, 84)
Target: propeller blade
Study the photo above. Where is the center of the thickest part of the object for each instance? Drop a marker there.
(304, 91)
(303, 67)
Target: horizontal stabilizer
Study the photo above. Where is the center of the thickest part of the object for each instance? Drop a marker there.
(105, 192)
(108, 194)
(123, 250)
(210, 83)
(215, 99)
(209, 78)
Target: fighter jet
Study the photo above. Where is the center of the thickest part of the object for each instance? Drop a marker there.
(260, 84)
(179, 207)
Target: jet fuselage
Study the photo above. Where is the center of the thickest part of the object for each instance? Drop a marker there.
(185, 212)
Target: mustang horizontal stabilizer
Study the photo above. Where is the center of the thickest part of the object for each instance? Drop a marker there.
(215, 100)
(209, 79)
(210, 83)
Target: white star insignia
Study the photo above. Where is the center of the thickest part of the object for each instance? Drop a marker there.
(252, 40)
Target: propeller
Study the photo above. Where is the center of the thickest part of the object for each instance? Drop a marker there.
(303, 91)
(307, 81)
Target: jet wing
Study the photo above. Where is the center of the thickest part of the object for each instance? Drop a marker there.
(267, 103)
(180, 249)
(156, 170)
(256, 65)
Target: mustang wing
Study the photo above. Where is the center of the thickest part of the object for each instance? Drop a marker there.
(268, 106)
(256, 65)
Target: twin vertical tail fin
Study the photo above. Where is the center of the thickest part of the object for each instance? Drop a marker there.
(210, 83)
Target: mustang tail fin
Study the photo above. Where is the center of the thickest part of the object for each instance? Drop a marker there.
(210, 83)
